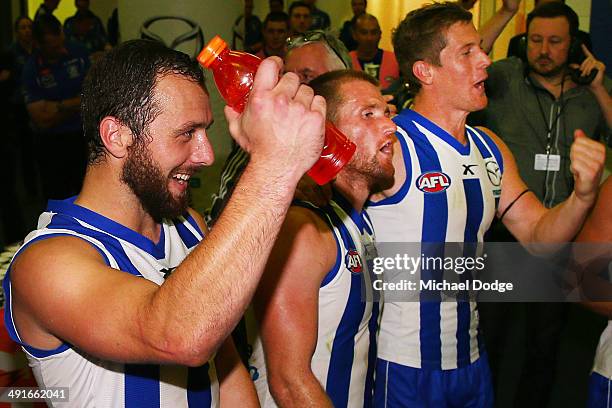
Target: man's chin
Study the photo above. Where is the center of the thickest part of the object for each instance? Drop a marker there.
(548, 71)
(172, 208)
(382, 182)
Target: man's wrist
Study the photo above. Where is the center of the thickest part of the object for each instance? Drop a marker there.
(284, 172)
(584, 201)
(599, 90)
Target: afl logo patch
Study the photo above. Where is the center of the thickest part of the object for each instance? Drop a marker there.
(433, 182)
(352, 261)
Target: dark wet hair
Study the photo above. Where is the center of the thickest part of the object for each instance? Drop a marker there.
(122, 85)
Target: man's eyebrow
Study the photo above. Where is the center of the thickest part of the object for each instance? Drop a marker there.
(187, 126)
(373, 105)
(470, 44)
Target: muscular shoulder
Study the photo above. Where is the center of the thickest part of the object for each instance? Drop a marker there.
(308, 238)
(501, 145)
(49, 271)
(307, 222)
(52, 258)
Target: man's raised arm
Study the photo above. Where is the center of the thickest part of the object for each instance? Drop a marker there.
(62, 290)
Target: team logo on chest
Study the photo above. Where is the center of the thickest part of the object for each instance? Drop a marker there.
(352, 261)
(433, 182)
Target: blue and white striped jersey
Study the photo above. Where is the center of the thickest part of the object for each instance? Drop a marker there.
(450, 195)
(345, 353)
(603, 356)
(93, 382)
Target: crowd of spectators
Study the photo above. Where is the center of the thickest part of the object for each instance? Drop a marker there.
(41, 74)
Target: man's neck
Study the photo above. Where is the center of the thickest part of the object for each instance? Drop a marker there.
(556, 84)
(25, 45)
(354, 189)
(269, 52)
(105, 194)
(366, 55)
(451, 120)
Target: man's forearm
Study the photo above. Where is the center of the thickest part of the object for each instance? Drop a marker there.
(48, 114)
(561, 223)
(211, 289)
(493, 28)
(235, 385)
(299, 390)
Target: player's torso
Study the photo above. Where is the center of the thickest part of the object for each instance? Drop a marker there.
(345, 331)
(449, 195)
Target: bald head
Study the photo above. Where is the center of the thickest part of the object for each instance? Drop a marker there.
(311, 60)
(366, 33)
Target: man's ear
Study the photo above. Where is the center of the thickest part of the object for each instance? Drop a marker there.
(423, 72)
(115, 136)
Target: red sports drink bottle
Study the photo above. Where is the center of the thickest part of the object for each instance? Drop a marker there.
(234, 72)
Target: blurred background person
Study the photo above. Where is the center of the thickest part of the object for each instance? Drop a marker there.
(314, 53)
(112, 26)
(275, 32)
(17, 143)
(378, 63)
(517, 47)
(300, 18)
(46, 9)
(467, 4)
(52, 80)
(276, 6)
(85, 28)
(346, 33)
(247, 30)
(320, 19)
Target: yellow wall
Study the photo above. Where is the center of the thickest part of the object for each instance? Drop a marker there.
(65, 9)
(390, 13)
(515, 26)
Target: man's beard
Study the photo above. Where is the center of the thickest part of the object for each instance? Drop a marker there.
(377, 178)
(147, 181)
(551, 72)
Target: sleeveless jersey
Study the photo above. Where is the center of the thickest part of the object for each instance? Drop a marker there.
(603, 356)
(93, 382)
(450, 195)
(345, 353)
